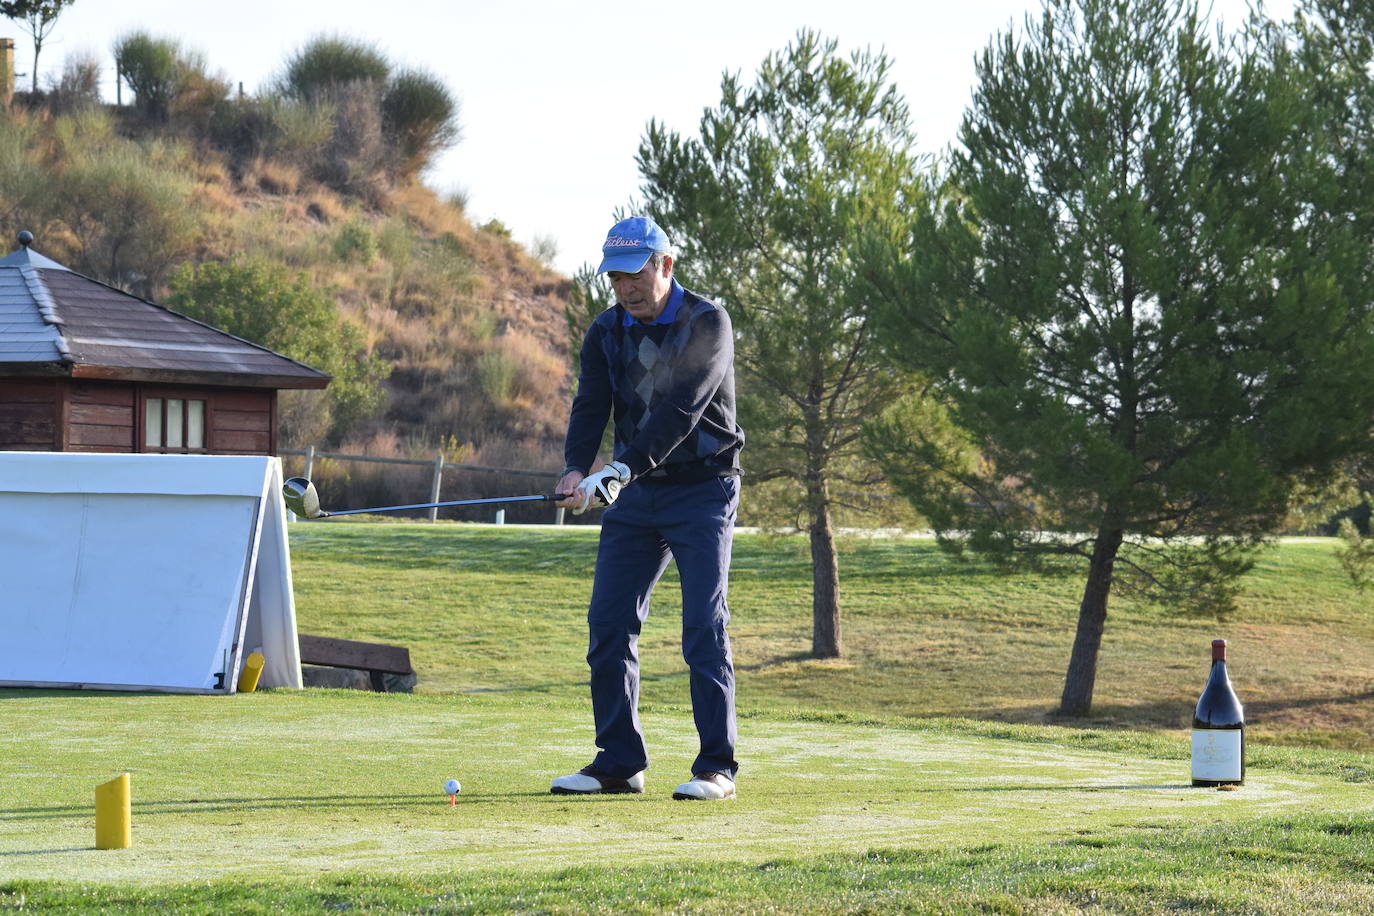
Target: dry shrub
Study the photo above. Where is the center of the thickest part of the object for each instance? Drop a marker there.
(220, 209)
(430, 214)
(458, 199)
(325, 206)
(217, 197)
(79, 85)
(538, 368)
(447, 267)
(356, 159)
(327, 62)
(522, 454)
(420, 114)
(200, 95)
(26, 185)
(272, 176)
(290, 210)
(380, 444)
(170, 83)
(211, 168)
(280, 128)
(396, 241)
(404, 339)
(277, 229)
(479, 321)
(73, 136)
(132, 210)
(498, 375)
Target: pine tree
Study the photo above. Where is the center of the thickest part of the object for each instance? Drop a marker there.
(766, 205)
(1144, 302)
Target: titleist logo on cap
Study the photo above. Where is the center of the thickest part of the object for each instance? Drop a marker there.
(617, 241)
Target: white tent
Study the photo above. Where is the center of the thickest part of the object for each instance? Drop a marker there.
(143, 572)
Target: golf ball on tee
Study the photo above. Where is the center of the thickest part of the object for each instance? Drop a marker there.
(452, 787)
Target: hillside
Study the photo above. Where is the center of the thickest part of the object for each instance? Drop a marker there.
(469, 324)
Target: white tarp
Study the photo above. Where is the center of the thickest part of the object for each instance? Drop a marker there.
(143, 572)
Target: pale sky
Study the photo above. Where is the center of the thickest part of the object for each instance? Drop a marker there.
(555, 96)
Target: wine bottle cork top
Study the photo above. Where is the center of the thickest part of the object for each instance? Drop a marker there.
(1218, 649)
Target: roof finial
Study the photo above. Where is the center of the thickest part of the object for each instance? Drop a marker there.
(26, 238)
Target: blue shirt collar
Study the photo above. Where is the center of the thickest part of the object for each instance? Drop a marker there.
(669, 312)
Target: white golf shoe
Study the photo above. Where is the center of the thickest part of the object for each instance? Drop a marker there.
(591, 780)
(706, 787)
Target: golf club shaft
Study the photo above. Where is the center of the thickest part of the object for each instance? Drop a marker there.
(461, 502)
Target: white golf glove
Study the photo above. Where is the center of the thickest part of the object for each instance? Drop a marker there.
(601, 488)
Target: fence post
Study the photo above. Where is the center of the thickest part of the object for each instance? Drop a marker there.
(436, 485)
(558, 516)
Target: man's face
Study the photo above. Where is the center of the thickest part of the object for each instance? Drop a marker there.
(644, 294)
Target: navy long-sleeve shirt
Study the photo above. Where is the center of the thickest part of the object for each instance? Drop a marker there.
(670, 387)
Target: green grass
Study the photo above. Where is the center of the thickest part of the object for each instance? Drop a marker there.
(319, 797)
(1300, 866)
(485, 610)
(919, 774)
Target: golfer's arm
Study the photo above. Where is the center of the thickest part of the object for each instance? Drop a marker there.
(591, 408)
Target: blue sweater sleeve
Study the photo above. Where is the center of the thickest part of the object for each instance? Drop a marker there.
(591, 408)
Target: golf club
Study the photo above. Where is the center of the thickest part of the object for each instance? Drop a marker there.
(301, 498)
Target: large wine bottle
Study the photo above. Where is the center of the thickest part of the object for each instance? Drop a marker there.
(1218, 728)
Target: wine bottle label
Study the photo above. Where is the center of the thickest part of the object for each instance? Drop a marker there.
(1216, 753)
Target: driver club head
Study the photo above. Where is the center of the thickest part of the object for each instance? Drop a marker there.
(300, 497)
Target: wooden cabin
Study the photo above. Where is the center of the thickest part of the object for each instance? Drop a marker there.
(85, 367)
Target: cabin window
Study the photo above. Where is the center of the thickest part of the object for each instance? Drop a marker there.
(174, 425)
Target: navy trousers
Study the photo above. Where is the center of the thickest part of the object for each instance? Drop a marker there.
(694, 524)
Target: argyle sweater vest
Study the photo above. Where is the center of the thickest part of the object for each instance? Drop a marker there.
(670, 390)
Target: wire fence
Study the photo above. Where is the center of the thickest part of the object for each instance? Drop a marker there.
(437, 463)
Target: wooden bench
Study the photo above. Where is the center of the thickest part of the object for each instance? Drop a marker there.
(377, 659)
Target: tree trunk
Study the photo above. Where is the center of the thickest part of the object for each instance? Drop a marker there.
(1092, 619)
(825, 583)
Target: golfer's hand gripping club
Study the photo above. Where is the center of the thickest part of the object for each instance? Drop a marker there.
(601, 488)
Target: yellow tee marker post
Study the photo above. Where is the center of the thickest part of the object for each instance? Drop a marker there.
(252, 670)
(114, 814)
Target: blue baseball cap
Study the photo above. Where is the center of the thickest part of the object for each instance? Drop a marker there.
(630, 243)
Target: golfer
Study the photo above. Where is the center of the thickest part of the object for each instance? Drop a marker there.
(661, 364)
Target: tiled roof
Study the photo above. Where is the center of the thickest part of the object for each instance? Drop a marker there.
(56, 322)
(29, 331)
